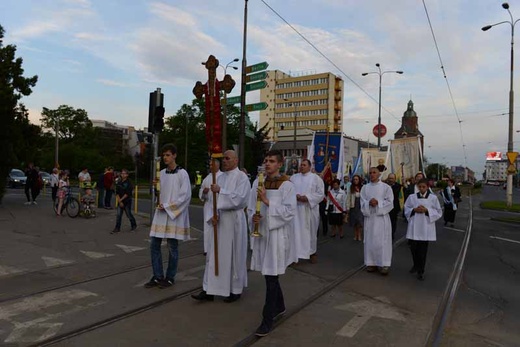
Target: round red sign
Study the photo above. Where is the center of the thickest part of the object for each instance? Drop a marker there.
(382, 131)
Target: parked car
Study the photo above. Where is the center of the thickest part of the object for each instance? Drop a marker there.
(16, 178)
(46, 177)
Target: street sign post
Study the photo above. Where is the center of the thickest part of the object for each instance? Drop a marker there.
(382, 130)
(231, 100)
(259, 106)
(257, 67)
(256, 76)
(256, 85)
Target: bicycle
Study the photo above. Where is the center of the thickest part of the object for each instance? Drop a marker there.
(70, 203)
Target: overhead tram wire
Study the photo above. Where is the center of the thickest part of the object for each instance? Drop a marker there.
(447, 84)
(328, 59)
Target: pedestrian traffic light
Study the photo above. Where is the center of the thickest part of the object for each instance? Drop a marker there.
(158, 122)
(156, 99)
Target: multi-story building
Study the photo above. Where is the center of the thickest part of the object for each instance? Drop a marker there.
(123, 138)
(299, 104)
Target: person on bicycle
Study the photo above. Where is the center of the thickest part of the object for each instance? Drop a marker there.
(87, 199)
(62, 190)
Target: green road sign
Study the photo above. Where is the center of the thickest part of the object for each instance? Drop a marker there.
(257, 67)
(231, 100)
(259, 106)
(250, 133)
(256, 85)
(256, 76)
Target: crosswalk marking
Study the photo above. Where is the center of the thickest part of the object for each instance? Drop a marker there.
(130, 249)
(503, 239)
(51, 262)
(9, 270)
(96, 255)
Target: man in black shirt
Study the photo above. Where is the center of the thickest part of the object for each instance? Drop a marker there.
(124, 191)
(396, 189)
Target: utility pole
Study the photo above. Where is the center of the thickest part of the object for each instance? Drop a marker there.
(242, 130)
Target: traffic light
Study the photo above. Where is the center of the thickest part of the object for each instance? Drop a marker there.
(154, 102)
(158, 121)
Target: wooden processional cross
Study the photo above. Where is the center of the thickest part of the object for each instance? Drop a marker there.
(211, 92)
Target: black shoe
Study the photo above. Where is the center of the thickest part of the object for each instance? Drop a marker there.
(154, 282)
(413, 270)
(203, 296)
(420, 277)
(263, 330)
(279, 314)
(115, 231)
(166, 283)
(133, 227)
(232, 298)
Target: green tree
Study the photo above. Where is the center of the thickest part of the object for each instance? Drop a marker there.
(13, 85)
(72, 123)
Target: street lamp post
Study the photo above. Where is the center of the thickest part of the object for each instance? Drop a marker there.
(224, 114)
(512, 22)
(380, 73)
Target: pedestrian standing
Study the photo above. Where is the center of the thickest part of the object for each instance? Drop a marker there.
(54, 183)
(63, 186)
(377, 200)
(322, 205)
(356, 218)
(171, 219)
(36, 185)
(451, 197)
(309, 193)
(124, 191)
(109, 185)
(29, 182)
(233, 191)
(100, 186)
(206, 196)
(422, 211)
(336, 200)
(271, 252)
(396, 190)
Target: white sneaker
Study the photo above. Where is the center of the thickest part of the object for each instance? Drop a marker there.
(34, 203)
(27, 203)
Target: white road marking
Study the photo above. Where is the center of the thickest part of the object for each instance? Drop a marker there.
(32, 332)
(454, 229)
(130, 249)
(9, 270)
(503, 239)
(51, 262)
(364, 310)
(181, 276)
(96, 255)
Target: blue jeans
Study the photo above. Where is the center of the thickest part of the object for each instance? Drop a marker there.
(173, 259)
(128, 211)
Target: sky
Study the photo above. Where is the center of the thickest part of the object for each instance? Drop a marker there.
(106, 56)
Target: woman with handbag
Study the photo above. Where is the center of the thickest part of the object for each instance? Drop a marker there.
(356, 218)
(336, 199)
(451, 196)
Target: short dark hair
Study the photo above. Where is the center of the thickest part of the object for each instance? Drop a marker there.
(308, 161)
(423, 180)
(275, 153)
(336, 181)
(169, 147)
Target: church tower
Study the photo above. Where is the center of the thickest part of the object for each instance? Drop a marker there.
(409, 125)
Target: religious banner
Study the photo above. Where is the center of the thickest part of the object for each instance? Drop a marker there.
(327, 148)
(405, 157)
(373, 157)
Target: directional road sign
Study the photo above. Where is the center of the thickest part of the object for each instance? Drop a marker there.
(231, 100)
(259, 106)
(257, 67)
(256, 76)
(256, 85)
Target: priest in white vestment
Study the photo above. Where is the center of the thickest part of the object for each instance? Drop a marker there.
(206, 196)
(309, 189)
(422, 210)
(233, 190)
(377, 200)
(171, 220)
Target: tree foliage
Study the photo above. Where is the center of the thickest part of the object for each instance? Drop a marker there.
(13, 85)
(71, 122)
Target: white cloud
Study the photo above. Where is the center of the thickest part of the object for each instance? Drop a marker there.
(111, 83)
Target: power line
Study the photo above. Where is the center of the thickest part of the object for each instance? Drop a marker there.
(327, 58)
(447, 84)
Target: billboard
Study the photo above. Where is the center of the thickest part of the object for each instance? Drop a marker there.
(494, 156)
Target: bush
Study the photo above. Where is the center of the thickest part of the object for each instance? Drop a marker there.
(442, 184)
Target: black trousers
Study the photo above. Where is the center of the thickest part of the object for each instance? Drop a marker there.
(419, 251)
(274, 303)
(108, 197)
(323, 218)
(393, 220)
(54, 192)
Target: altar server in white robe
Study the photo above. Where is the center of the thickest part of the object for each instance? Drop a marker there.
(272, 251)
(309, 193)
(233, 190)
(422, 210)
(206, 196)
(377, 200)
(171, 219)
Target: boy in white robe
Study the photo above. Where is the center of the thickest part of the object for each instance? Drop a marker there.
(206, 196)
(422, 211)
(377, 200)
(272, 251)
(171, 220)
(233, 190)
(309, 193)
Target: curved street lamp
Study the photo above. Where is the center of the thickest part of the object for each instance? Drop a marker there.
(512, 22)
(380, 73)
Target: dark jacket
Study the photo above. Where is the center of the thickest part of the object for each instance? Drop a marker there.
(125, 187)
(396, 189)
